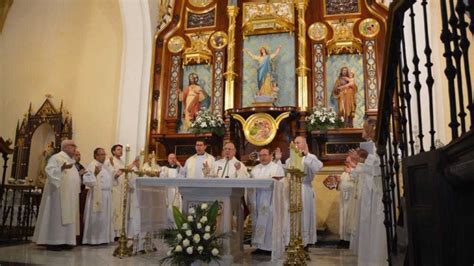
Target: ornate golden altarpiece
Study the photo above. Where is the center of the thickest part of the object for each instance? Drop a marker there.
(203, 41)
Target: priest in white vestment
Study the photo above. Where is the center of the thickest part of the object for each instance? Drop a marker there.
(173, 198)
(311, 165)
(58, 219)
(98, 228)
(115, 162)
(200, 164)
(229, 166)
(346, 188)
(261, 203)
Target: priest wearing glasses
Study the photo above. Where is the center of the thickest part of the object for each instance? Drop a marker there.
(229, 166)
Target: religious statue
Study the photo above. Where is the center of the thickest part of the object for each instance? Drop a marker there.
(345, 90)
(267, 86)
(45, 155)
(193, 98)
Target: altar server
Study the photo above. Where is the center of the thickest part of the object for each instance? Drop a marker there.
(173, 198)
(115, 163)
(200, 164)
(98, 228)
(58, 219)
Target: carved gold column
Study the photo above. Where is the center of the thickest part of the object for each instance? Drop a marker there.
(302, 70)
(230, 74)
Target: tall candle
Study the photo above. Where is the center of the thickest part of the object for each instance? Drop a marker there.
(142, 159)
(153, 161)
(127, 154)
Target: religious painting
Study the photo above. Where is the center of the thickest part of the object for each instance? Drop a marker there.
(345, 88)
(260, 128)
(269, 70)
(341, 7)
(195, 94)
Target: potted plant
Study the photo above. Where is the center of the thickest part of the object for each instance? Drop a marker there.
(322, 118)
(194, 239)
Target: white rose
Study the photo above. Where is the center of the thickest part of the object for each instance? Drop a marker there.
(204, 206)
(190, 218)
(207, 228)
(186, 243)
(203, 124)
(178, 248)
(179, 236)
(206, 236)
(189, 233)
(199, 225)
(189, 250)
(200, 249)
(191, 211)
(215, 252)
(168, 253)
(196, 238)
(203, 219)
(184, 226)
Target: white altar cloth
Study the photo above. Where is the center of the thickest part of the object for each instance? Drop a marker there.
(198, 189)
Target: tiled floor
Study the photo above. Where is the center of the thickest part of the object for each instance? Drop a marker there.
(30, 254)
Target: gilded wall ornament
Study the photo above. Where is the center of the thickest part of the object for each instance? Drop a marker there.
(317, 31)
(200, 3)
(201, 19)
(260, 128)
(176, 44)
(369, 27)
(219, 40)
(341, 7)
(265, 18)
(199, 52)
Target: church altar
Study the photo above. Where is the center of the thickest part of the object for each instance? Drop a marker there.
(228, 192)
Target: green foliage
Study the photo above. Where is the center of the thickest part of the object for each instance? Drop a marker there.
(194, 237)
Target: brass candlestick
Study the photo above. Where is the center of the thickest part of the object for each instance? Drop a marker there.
(295, 252)
(123, 250)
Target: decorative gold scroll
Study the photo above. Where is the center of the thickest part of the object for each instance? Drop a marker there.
(264, 18)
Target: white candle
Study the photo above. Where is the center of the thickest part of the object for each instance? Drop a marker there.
(142, 159)
(127, 154)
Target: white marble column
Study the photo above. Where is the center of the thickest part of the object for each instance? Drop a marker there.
(139, 19)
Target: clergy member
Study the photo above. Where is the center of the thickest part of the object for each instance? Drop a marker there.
(173, 198)
(115, 163)
(82, 195)
(58, 219)
(200, 164)
(311, 165)
(98, 228)
(261, 202)
(229, 166)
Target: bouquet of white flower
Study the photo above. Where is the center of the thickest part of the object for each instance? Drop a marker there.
(206, 121)
(322, 118)
(194, 237)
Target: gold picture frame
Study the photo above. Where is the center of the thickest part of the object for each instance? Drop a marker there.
(260, 129)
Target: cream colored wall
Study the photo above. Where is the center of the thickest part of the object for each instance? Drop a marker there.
(71, 49)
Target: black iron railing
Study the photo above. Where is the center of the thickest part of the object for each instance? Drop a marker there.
(407, 114)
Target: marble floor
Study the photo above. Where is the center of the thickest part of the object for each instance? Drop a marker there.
(30, 254)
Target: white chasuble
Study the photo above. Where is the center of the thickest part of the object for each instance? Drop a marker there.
(117, 193)
(194, 165)
(58, 218)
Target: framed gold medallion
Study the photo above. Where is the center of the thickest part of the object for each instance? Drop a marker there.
(260, 128)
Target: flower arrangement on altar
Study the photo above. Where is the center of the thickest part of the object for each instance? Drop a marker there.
(206, 121)
(194, 238)
(322, 118)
